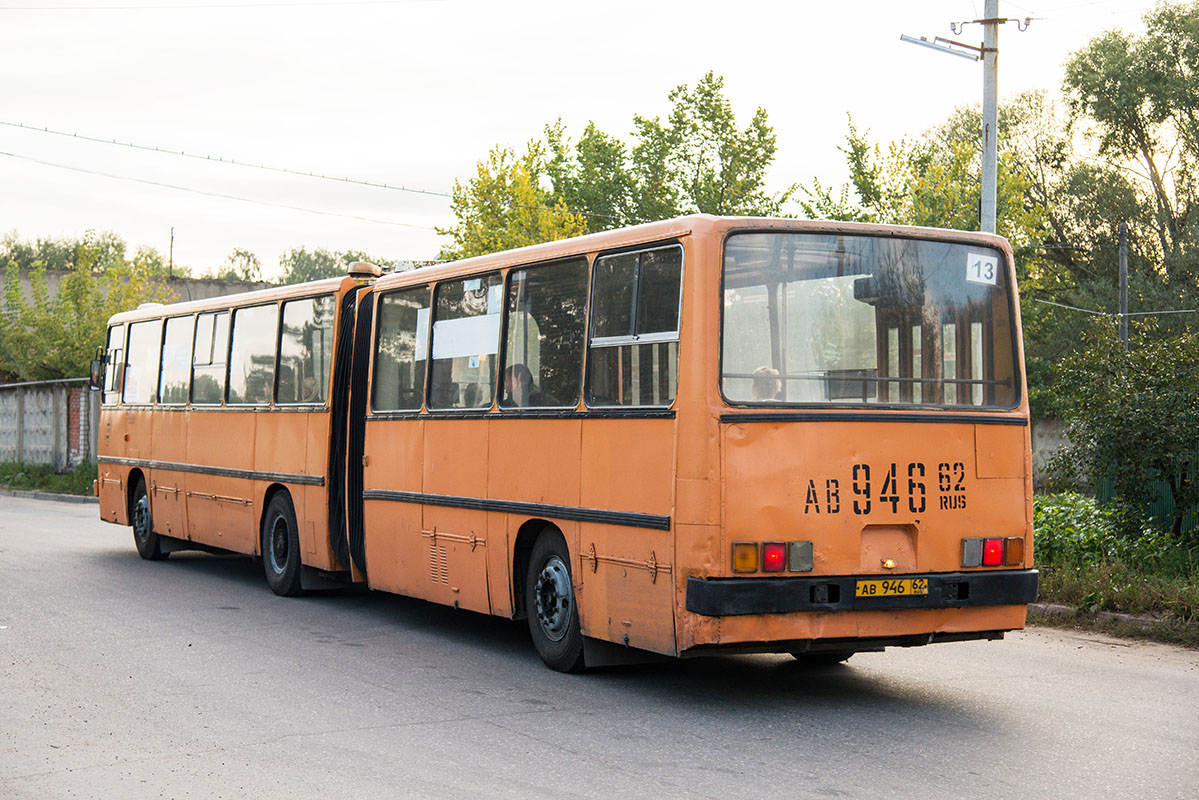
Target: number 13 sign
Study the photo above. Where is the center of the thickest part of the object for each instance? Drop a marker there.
(982, 269)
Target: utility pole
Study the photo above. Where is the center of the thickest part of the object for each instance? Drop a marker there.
(1124, 283)
(990, 166)
(989, 55)
(171, 262)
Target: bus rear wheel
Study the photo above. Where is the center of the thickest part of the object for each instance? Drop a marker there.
(550, 605)
(281, 546)
(149, 545)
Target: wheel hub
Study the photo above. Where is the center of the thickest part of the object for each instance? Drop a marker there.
(141, 519)
(278, 545)
(552, 594)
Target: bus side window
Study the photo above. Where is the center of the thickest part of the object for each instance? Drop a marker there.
(252, 355)
(543, 350)
(466, 333)
(634, 356)
(305, 350)
(141, 363)
(114, 364)
(398, 380)
(176, 361)
(208, 358)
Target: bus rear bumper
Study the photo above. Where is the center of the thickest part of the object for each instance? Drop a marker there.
(723, 597)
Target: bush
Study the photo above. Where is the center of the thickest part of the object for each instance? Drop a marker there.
(31, 477)
(1086, 561)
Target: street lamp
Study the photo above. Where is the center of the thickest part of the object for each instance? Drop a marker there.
(988, 54)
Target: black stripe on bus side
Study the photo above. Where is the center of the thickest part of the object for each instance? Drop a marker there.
(872, 416)
(549, 413)
(629, 519)
(224, 472)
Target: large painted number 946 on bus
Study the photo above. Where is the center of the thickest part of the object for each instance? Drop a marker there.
(692, 436)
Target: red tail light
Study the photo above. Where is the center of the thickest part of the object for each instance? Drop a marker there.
(992, 552)
(774, 556)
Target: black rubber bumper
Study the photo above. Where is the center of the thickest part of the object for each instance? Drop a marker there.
(725, 597)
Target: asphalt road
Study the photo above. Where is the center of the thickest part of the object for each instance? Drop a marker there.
(187, 678)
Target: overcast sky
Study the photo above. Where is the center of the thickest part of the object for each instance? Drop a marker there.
(414, 93)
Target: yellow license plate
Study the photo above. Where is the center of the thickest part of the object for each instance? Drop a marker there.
(892, 587)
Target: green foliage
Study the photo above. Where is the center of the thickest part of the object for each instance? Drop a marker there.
(1133, 417)
(37, 478)
(504, 206)
(1087, 562)
(300, 265)
(241, 265)
(54, 333)
(694, 160)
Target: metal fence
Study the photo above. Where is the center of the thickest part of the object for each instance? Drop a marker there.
(49, 423)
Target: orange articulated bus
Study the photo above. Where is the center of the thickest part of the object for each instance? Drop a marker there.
(692, 436)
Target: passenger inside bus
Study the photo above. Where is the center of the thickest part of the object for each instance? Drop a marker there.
(766, 385)
(519, 389)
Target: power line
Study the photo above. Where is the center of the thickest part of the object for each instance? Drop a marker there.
(221, 160)
(1115, 314)
(214, 194)
(192, 6)
(284, 170)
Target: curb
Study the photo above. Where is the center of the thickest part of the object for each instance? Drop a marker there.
(60, 498)
(1055, 610)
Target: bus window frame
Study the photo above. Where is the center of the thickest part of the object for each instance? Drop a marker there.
(282, 303)
(191, 353)
(125, 367)
(233, 311)
(428, 286)
(429, 343)
(633, 338)
(216, 313)
(114, 366)
(589, 261)
(937, 389)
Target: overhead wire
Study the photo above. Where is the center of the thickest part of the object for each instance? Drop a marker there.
(221, 195)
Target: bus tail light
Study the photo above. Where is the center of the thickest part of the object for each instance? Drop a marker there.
(992, 552)
(799, 556)
(972, 552)
(1015, 552)
(745, 556)
(774, 557)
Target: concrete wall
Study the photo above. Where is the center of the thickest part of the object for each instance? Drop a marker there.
(1048, 436)
(184, 288)
(51, 423)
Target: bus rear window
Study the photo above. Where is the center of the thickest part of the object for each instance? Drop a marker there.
(844, 320)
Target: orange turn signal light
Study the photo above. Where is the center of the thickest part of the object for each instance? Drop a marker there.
(745, 556)
(1015, 552)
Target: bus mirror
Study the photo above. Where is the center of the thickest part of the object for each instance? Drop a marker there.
(96, 378)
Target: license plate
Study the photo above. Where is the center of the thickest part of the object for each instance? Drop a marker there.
(892, 587)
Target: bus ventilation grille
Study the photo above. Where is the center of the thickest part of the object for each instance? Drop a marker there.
(439, 570)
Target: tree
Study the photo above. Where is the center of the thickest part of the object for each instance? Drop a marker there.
(54, 334)
(300, 265)
(1141, 96)
(694, 160)
(1134, 419)
(505, 206)
(241, 265)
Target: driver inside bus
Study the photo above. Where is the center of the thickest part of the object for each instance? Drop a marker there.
(519, 389)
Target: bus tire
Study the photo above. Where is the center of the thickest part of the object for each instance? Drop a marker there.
(148, 543)
(552, 611)
(829, 659)
(281, 546)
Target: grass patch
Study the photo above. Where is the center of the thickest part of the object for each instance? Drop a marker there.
(1086, 564)
(30, 477)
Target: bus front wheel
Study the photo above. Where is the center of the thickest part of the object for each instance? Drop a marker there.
(281, 546)
(149, 545)
(550, 604)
